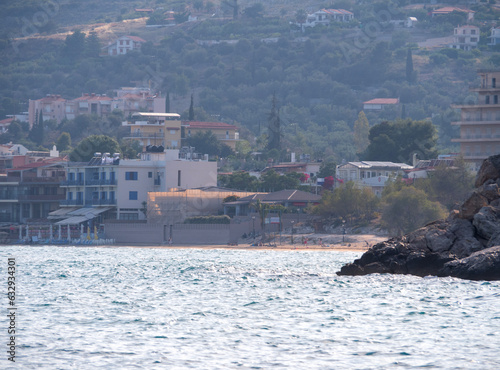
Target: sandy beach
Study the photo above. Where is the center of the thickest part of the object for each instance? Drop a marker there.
(330, 242)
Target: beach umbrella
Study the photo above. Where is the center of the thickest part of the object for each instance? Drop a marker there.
(95, 233)
(69, 235)
(88, 232)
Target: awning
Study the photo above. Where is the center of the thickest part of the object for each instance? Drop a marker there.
(60, 213)
(72, 220)
(80, 215)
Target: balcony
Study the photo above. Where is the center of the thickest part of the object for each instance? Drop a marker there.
(42, 198)
(71, 202)
(477, 138)
(100, 202)
(72, 183)
(99, 182)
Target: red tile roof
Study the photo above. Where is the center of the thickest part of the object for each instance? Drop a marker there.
(382, 101)
(135, 38)
(92, 97)
(209, 125)
(449, 9)
(7, 120)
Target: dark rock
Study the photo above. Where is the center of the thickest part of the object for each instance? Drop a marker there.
(472, 205)
(494, 240)
(465, 245)
(490, 170)
(487, 222)
(489, 191)
(482, 265)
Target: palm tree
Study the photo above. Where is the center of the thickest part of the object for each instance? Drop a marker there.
(262, 209)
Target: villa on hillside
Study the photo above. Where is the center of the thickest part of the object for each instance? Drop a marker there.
(450, 9)
(380, 103)
(466, 37)
(369, 174)
(123, 45)
(225, 132)
(325, 17)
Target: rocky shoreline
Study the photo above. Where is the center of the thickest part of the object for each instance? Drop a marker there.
(466, 245)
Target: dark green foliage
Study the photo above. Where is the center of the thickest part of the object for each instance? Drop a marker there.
(206, 143)
(63, 142)
(191, 109)
(398, 141)
(223, 219)
(85, 150)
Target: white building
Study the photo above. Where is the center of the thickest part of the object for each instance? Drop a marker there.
(495, 36)
(373, 175)
(123, 45)
(465, 37)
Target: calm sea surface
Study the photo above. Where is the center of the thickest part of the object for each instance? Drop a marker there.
(139, 308)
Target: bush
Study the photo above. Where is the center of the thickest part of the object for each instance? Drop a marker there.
(224, 220)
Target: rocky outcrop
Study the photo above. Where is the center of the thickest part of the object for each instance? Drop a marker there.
(465, 245)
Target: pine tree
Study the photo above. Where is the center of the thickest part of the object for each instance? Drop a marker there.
(40, 131)
(191, 109)
(274, 127)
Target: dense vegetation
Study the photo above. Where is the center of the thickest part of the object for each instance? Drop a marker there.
(319, 78)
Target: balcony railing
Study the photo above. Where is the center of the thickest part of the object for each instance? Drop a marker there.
(73, 183)
(99, 182)
(100, 202)
(42, 197)
(72, 202)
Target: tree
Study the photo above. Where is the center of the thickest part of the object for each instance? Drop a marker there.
(361, 133)
(262, 209)
(448, 185)
(191, 109)
(410, 77)
(207, 143)
(74, 45)
(347, 202)
(63, 142)
(397, 141)
(273, 181)
(408, 209)
(254, 11)
(85, 150)
(240, 180)
(92, 45)
(301, 17)
(167, 103)
(274, 129)
(327, 169)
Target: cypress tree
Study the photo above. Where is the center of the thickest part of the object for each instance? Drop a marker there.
(167, 103)
(40, 131)
(191, 109)
(274, 126)
(409, 67)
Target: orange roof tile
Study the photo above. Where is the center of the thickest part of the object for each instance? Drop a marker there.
(382, 101)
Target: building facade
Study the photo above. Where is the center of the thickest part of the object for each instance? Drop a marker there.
(155, 129)
(480, 122)
(466, 37)
(373, 175)
(124, 45)
(224, 132)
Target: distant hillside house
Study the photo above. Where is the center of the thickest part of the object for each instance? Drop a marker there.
(466, 37)
(224, 132)
(326, 16)
(123, 45)
(380, 103)
(51, 106)
(495, 36)
(450, 9)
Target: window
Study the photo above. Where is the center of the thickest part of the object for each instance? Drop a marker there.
(150, 174)
(172, 132)
(487, 99)
(103, 195)
(495, 99)
(131, 175)
(112, 176)
(132, 195)
(111, 195)
(493, 82)
(70, 195)
(179, 178)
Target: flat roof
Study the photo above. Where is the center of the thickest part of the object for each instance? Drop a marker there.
(152, 114)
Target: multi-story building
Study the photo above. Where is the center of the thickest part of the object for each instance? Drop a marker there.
(494, 37)
(466, 37)
(31, 191)
(108, 187)
(224, 132)
(51, 106)
(155, 129)
(129, 100)
(480, 122)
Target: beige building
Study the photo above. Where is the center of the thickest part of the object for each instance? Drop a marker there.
(51, 106)
(466, 37)
(224, 132)
(155, 129)
(480, 122)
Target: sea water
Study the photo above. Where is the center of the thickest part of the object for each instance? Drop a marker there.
(146, 308)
